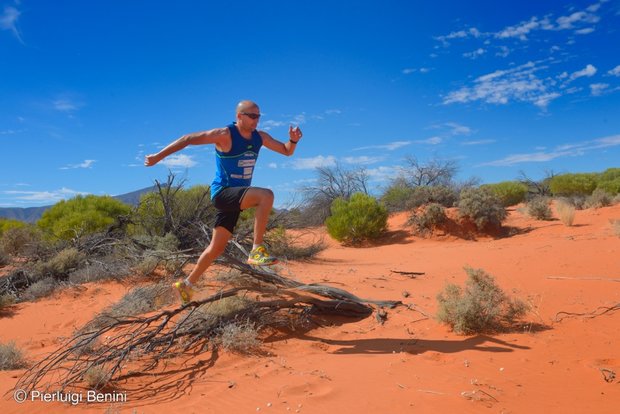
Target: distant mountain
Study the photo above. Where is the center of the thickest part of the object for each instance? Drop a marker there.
(32, 214)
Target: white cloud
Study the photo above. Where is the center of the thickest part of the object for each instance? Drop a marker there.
(382, 173)
(584, 31)
(8, 21)
(598, 88)
(409, 71)
(566, 150)
(363, 160)
(272, 165)
(588, 71)
(479, 142)
(66, 104)
(390, 146)
(502, 86)
(504, 51)
(270, 124)
(615, 71)
(457, 129)
(84, 164)
(299, 119)
(475, 54)
(431, 141)
(314, 162)
(179, 161)
(43, 196)
(333, 112)
(522, 29)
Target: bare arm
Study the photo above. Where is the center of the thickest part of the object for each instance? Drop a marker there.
(282, 148)
(218, 136)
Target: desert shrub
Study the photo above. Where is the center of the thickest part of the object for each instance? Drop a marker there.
(443, 195)
(82, 215)
(103, 269)
(11, 357)
(60, 265)
(610, 174)
(6, 224)
(509, 192)
(4, 258)
(566, 212)
(539, 209)
(6, 300)
(21, 241)
(282, 244)
(97, 377)
(396, 196)
(573, 184)
(482, 207)
(239, 336)
(428, 218)
(599, 198)
(577, 201)
(175, 210)
(40, 289)
(611, 187)
(356, 220)
(481, 306)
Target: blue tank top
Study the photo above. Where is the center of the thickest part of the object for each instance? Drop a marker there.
(235, 167)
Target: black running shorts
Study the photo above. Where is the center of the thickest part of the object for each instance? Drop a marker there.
(228, 205)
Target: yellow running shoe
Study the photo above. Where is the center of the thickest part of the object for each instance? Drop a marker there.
(261, 257)
(185, 291)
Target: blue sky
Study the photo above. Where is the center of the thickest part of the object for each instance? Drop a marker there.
(87, 88)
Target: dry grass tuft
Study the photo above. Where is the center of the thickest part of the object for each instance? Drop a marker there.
(566, 212)
(11, 357)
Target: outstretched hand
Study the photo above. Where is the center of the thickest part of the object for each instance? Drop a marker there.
(150, 160)
(294, 133)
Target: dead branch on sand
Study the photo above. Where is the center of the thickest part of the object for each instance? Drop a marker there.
(601, 310)
(119, 347)
(583, 278)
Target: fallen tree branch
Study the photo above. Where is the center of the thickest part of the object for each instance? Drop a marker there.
(582, 278)
(601, 310)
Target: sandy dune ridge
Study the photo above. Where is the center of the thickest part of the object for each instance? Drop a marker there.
(409, 364)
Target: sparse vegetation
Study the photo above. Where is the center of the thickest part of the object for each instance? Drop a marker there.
(539, 209)
(282, 244)
(599, 198)
(566, 212)
(442, 195)
(428, 218)
(11, 357)
(480, 307)
(21, 241)
(509, 192)
(616, 226)
(482, 207)
(97, 378)
(360, 219)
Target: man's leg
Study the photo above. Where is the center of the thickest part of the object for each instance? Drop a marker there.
(262, 199)
(220, 239)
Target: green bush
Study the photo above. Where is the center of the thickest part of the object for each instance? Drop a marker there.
(509, 192)
(81, 215)
(6, 224)
(428, 218)
(539, 209)
(423, 195)
(610, 174)
(482, 207)
(610, 186)
(599, 198)
(356, 220)
(481, 307)
(395, 198)
(573, 184)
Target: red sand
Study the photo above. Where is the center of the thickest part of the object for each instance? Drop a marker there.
(410, 364)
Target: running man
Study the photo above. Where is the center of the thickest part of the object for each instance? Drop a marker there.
(236, 151)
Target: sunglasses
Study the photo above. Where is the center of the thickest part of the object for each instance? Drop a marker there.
(250, 115)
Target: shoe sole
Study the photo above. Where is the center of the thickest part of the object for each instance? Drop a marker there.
(275, 262)
(185, 296)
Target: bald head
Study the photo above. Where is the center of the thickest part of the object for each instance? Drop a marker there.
(244, 106)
